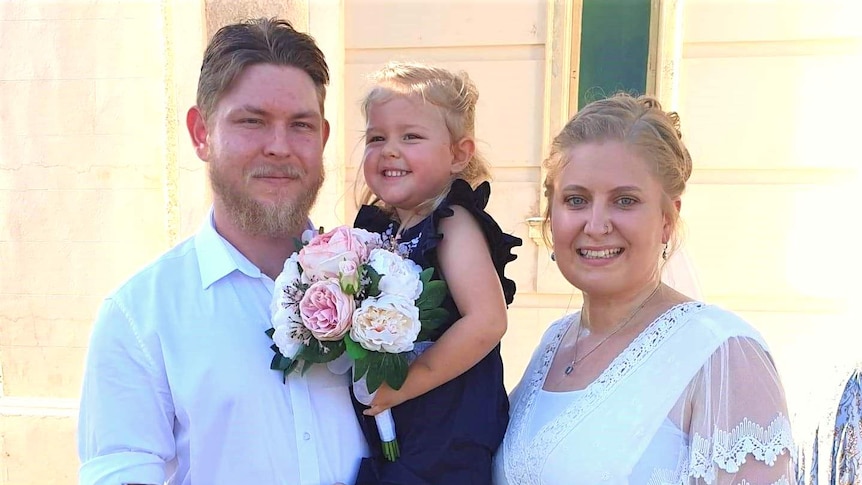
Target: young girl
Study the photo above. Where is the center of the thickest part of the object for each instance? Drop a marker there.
(427, 187)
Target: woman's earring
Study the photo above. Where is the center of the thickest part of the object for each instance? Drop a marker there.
(664, 252)
(553, 256)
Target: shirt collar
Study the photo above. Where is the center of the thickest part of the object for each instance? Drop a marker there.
(218, 258)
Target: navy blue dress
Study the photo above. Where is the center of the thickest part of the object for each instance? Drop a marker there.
(448, 435)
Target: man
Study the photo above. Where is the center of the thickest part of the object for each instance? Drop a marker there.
(177, 385)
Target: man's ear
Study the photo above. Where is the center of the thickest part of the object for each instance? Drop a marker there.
(462, 151)
(196, 124)
(325, 133)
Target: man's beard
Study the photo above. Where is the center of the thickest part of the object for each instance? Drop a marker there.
(282, 219)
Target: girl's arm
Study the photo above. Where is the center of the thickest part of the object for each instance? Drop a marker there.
(465, 262)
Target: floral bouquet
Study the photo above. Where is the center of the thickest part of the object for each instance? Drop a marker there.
(349, 291)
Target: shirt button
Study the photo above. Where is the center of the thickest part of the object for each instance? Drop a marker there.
(306, 436)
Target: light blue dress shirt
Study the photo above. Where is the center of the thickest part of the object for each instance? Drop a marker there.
(177, 387)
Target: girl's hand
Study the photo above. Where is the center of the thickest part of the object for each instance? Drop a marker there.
(385, 398)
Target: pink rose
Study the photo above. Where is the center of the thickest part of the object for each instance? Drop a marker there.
(320, 259)
(326, 311)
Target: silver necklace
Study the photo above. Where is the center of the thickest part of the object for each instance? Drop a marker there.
(576, 360)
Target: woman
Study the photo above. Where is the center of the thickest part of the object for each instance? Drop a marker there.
(643, 385)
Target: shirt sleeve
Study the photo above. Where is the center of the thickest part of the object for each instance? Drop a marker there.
(739, 430)
(125, 426)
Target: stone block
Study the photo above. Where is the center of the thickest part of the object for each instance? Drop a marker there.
(52, 107)
(37, 450)
(131, 107)
(34, 371)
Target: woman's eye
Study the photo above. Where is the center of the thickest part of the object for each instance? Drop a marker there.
(627, 201)
(575, 200)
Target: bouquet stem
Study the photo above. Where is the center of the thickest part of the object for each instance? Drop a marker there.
(386, 428)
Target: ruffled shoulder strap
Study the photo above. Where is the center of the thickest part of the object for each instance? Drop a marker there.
(372, 218)
(499, 242)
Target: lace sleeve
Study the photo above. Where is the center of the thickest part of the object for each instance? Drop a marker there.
(738, 428)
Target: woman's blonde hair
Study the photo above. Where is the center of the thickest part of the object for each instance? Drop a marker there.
(453, 93)
(642, 125)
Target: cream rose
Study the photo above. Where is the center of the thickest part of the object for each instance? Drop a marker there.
(389, 323)
(325, 310)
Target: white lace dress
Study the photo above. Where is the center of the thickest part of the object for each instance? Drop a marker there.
(695, 398)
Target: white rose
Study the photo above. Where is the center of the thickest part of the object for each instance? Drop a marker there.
(285, 294)
(399, 276)
(389, 324)
(290, 272)
(284, 339)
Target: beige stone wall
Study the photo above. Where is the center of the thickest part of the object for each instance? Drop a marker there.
(96, 179)
(82, 195)
(777, 171)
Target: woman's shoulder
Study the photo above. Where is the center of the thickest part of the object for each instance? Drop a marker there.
(559, 326)
(725, 324)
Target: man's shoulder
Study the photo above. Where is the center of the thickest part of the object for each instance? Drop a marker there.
(171, 270)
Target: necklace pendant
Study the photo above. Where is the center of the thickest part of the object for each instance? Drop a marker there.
(569, 369)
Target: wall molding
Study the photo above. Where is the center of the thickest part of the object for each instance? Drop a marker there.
(773, 48)
(38, 406)
(773, 176)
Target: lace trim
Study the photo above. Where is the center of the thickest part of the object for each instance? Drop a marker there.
(525, 456)
(780, 481)
(678, 476)
(729, 450)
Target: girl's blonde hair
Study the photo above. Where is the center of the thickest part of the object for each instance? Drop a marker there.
(453, 93)
(643, 126)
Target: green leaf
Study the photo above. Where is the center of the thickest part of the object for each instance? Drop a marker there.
(374, 378)
(433, 318)
(424, 334)
(354, 350)
(425, 275)
(394, 369)
(432, 295)
(321, 352)
(360, 367)
(374, 276)
(372, 368)
(269, 332)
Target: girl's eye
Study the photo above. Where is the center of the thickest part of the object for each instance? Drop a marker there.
(372, 139)
(412, 136)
